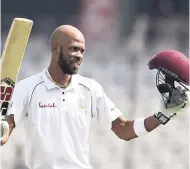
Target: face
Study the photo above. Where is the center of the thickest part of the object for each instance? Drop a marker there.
(70, 58)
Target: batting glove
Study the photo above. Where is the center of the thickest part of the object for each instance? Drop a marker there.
(172, 111)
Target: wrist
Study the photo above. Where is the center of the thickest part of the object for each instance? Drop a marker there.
(139, 127)
(162, 118)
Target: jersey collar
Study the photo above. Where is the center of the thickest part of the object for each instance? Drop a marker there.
(51, 85)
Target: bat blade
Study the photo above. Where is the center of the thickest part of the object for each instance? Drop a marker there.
(11, 59)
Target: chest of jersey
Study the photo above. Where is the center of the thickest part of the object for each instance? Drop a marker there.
(61, 111)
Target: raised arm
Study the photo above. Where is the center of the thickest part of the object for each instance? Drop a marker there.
(130, 129)
(16, 111)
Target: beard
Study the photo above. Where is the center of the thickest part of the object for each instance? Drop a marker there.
(66, 66)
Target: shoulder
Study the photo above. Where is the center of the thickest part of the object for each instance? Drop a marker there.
(89, 83)
(29, 82)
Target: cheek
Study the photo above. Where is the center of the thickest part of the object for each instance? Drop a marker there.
(71, 54)
(68, 59)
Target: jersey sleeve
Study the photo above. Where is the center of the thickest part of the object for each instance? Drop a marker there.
(104, 109)
(19, 102)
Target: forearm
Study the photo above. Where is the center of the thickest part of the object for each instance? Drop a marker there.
(151, 123)
(130, 129)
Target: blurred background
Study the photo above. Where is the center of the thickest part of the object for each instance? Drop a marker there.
(121, 36)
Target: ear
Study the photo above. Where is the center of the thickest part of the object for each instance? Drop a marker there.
(55, 48)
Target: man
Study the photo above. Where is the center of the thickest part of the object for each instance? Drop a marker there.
(58, 105)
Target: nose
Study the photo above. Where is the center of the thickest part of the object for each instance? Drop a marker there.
(79, 55)
(78, 58)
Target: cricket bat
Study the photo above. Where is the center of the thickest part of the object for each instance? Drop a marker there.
(11, 59)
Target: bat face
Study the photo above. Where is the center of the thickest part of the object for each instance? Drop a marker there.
(11, 60)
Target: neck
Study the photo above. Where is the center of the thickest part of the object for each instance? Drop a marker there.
(58, 76)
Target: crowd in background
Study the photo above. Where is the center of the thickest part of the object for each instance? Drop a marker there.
(119, 64)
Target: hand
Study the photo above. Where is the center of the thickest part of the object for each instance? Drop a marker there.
(179, 109)
(4, 131)
(185, 108)
(168, 113)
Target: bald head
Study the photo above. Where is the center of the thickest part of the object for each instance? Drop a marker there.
(67, 47)
(65, 33)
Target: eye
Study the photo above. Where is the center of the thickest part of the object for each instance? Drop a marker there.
(75, 48)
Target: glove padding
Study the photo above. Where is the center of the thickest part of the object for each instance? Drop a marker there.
(168, 113)
(4, 128)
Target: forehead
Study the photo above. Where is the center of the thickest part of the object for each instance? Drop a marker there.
(77, 40)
